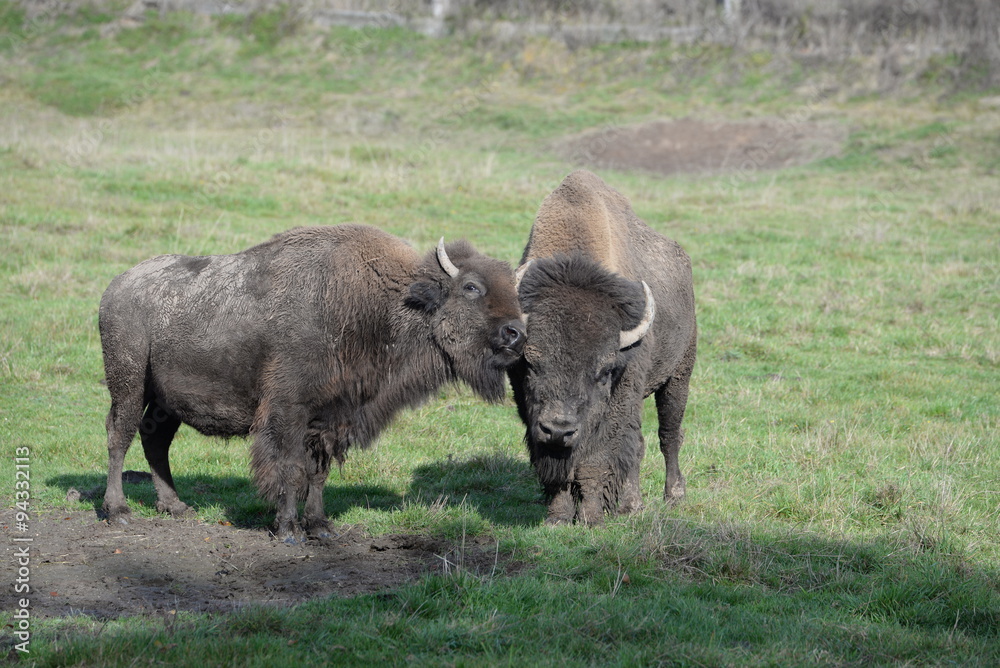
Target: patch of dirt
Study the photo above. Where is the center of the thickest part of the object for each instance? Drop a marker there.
(80, 565)
(694, 146)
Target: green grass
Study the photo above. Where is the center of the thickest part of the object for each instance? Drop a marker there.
(842, 449)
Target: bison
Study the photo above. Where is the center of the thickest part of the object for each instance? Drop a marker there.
(309, 342)
(609, 308)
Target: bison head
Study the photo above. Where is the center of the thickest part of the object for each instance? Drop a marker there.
(585, 326)
(474, 314)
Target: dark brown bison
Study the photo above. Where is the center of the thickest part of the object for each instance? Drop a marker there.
(609, 307)
(310, 342)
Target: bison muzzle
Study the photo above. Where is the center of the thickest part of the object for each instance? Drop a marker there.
(310, 343)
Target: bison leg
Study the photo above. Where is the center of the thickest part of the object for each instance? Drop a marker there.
(157, 432)
(321, 449)
(286, 528)
(591, 489)
(286, 500)
(122, 423)
(278, 461)
(630, 496)
(562, 505)
(671, 400)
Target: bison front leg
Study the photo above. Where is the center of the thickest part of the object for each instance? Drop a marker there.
(278, 462)
(630, 495)
(157, 431)
(321, 450)
(591, 489)
(562, 505)
(293, 486)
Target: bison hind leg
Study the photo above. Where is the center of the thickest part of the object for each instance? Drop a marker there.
(671, 401)
(122, 423)
(157, 431)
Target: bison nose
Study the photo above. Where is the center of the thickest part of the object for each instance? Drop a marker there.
(559, 431)
(512, 335)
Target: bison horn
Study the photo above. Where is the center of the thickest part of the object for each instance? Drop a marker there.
(628, 338)
(444, 261)
(519, 274)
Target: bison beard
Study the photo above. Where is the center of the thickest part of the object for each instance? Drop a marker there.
(310, 342)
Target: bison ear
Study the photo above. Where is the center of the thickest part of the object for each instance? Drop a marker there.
(426, 296)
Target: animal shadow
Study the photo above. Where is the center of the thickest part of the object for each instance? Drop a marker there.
(237, 496)
(501, 488)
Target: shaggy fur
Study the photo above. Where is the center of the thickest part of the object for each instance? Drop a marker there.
(310, 342)
(578, 394)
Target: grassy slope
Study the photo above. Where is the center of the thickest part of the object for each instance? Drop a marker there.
(841, 452)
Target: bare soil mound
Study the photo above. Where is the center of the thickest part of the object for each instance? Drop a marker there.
(79, 565)
(694, 146)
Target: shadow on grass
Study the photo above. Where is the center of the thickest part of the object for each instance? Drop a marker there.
(238, 498)
(501, 488)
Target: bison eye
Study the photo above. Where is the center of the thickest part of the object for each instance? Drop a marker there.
(604, 377)
(472, 290)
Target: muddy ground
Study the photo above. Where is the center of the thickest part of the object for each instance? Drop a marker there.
(81, 565)
(692, 146)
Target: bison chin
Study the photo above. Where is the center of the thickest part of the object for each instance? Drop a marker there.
(483, 365)
(487, 377)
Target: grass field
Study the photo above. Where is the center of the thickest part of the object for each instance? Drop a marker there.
(842, 433)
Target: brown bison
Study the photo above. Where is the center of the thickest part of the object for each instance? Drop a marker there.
(609, 306)
(310, 342)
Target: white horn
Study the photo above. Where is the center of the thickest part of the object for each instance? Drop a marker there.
(443, 260)
(519, 274)
(630, 337)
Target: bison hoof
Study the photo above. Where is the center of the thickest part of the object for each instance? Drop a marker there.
(316, 527)
(674, 495)
(672, 500)
(176, 509)
(322, 534)
(289, 534)
(674, 488)
(117, 515)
